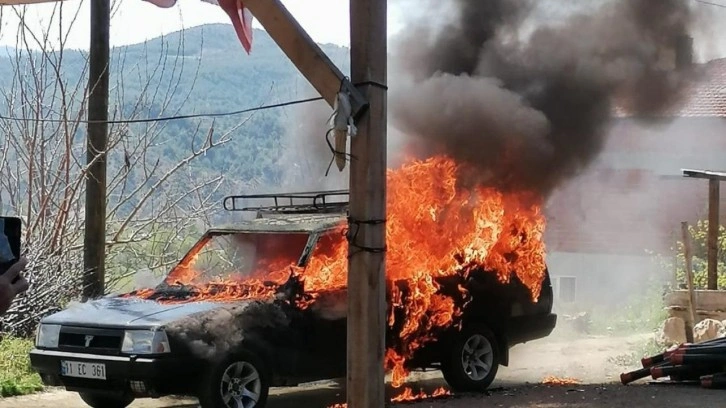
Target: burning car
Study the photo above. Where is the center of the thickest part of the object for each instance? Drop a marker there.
(263, 303)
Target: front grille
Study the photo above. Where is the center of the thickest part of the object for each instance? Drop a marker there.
(87, 340)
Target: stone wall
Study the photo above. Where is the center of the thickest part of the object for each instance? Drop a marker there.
(710, 304)
(710, 317)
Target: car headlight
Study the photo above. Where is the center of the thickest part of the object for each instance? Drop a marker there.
(48, 335)
(145, 342)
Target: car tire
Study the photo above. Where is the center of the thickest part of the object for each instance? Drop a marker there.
(103, 400)
(471, 362)
(241, 377)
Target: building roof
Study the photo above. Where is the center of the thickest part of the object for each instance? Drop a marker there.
(704, 96)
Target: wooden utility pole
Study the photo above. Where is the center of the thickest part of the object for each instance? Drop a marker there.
(302, 51)
(94, 249)
(688, 256)
(366, 267)
(714, 198)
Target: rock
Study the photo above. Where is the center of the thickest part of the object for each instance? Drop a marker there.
(708, 329)
(673, 332)
(580, 322)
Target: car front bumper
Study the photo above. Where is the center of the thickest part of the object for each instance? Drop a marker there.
(141, 376)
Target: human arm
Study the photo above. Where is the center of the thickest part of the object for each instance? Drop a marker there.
(9, 289)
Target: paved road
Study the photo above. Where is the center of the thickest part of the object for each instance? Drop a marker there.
(510, 395)
(589, 359)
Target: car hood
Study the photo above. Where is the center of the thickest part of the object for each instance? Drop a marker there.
(127, 312)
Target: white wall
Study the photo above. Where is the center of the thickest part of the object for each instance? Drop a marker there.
(605, 279)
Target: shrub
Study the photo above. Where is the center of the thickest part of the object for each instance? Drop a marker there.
(16, 375)
(699, 244)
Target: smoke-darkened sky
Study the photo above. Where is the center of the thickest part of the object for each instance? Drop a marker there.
(529, 110)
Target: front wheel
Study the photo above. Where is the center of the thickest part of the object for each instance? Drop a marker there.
(102, 400)
(472, 361)
(240, 381)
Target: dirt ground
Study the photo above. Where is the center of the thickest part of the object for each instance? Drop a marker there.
(595, 361)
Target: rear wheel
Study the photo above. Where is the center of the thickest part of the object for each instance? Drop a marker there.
(472, 361)
(102, 400)
(239, 381)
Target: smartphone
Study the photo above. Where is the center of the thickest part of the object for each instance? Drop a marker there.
(11, 229)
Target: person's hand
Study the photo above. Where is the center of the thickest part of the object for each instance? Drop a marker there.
(9, 289)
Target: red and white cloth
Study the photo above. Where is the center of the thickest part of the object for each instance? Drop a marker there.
(241, 17)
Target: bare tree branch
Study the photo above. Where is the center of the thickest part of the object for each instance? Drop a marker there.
(153, 199)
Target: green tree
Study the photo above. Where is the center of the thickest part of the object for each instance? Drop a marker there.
(699, 244)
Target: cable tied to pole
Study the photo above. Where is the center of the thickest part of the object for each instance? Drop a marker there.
(342, 128)
(375, 84)
(351, 234)
(343, 124)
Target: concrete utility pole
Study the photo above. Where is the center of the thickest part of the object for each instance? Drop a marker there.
(94, 244)
(366, 267)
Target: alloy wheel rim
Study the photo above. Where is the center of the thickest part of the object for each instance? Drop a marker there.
(477, 357)
(241, 385)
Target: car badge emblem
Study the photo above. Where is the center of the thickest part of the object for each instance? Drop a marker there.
(88, 340)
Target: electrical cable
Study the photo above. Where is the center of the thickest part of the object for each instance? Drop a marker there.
(710, 3)
(169, 118)
(353, 235)
(334, 151)
(192, 116)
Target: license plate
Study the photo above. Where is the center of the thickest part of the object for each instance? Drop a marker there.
(83, 370)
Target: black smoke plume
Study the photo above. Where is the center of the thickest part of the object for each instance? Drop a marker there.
(526, 100)
(214, 334)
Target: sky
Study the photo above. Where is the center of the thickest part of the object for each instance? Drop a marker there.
(134, 21)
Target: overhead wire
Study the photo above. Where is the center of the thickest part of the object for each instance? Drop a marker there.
(710, 3)
(169, 118)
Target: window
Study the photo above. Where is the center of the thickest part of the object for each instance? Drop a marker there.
(241, 256)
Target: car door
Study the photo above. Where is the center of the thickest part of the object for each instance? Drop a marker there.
(325, 317)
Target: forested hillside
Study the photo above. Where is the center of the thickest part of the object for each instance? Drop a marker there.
(196, 71)
(220, 77)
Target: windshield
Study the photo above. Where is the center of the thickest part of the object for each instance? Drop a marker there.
(240, 257)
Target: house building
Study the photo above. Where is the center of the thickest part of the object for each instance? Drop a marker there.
(603, 226)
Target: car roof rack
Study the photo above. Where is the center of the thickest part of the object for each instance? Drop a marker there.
(312, 202)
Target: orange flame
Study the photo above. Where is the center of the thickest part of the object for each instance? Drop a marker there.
(408, 395)
(552, 380)
(435, 228)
